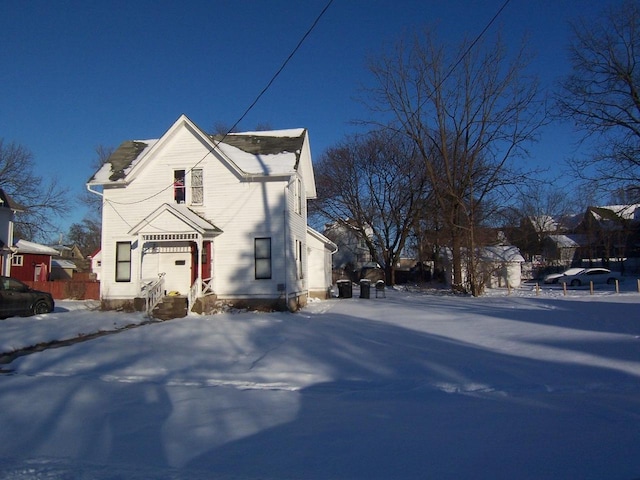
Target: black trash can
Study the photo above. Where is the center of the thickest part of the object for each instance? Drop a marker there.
(344, 289)
(365, 288)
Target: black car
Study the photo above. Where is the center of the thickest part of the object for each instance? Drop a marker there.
(16, 298)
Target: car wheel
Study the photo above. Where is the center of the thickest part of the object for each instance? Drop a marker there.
(41, 307)
(575, 283)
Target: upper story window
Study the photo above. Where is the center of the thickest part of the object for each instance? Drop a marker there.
(179, 193)
(299, 247)
(194, 187)
(297, 194)
(197, 187)
(16, 260)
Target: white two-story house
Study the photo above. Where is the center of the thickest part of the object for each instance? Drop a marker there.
(211, 218)
(8, 209)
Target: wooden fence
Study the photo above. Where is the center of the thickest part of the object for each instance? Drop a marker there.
(73, 290)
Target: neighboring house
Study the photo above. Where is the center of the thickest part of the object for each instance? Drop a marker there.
(563, 250)
(611, 232)
(213, 217)
(319, 252)
(500, 265)
(62, 269)
(73, 254)
(353, 253)
(96, 263)
(8, 209)
(31, 262)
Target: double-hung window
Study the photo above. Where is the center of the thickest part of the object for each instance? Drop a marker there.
(262, 253)
(179, 192)
(299, 247)
(123, 261)
(197, 187)
(297, 196)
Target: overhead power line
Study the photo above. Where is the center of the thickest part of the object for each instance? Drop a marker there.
(248, 109)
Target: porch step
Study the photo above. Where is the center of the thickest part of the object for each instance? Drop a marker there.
(171, 307)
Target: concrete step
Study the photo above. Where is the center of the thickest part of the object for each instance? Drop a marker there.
(174, 306)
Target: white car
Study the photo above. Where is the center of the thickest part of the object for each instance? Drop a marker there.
(554, 277)
(595, 275)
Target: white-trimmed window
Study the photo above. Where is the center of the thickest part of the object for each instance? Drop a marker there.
(297, 196)
(262, 249)
(179, 192)
(299, 247)
(17, 260)
(197, 187)
(123, 261)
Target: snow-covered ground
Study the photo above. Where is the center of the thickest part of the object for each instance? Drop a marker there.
(415, 385)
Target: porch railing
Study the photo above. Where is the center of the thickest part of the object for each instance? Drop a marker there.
(153, 292)
(206, 288)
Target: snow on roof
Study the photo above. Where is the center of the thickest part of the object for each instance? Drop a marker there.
(626, 212)
(289, 132)
(544, 223)
(567, 241)
(502, 253)
(272, 152)
(65, 264)
(24, 246)
(274, 164)
(120, 163)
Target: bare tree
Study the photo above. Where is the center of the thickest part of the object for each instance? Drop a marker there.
(469, 117)
(602, 95)
(44, 200)
(86, 234)
(540, 210)
(373, 185)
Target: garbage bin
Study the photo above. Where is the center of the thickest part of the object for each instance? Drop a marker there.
(344, 289)
(365, 288)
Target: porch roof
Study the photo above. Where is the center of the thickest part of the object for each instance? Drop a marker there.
(172, 220)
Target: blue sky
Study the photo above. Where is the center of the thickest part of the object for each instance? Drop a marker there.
(78, 74)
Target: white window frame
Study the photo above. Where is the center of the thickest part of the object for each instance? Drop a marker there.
(123, 264)
(197, 186)
(263, 258)
(17, 260)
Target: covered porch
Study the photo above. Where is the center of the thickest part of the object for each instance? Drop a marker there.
(175, 248)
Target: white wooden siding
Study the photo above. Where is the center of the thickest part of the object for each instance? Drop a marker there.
(243, 210)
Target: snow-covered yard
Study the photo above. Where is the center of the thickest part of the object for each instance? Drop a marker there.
(415, 385)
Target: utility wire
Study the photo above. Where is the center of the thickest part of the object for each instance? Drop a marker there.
(249, 108)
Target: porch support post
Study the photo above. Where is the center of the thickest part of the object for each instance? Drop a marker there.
(199, 243)
(140, 259)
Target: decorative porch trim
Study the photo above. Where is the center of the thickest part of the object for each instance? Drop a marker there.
(159, 237)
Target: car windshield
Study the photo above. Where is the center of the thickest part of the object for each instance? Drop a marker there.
(13, 285)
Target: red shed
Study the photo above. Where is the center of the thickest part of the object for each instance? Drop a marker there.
(31, 261)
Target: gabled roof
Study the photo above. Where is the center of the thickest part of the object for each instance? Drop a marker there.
(324, 240)
(23, 246)
(248, 154)
(568, 240)
(181, 215)
(66, 264)
(7, 202)
(501, 253)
